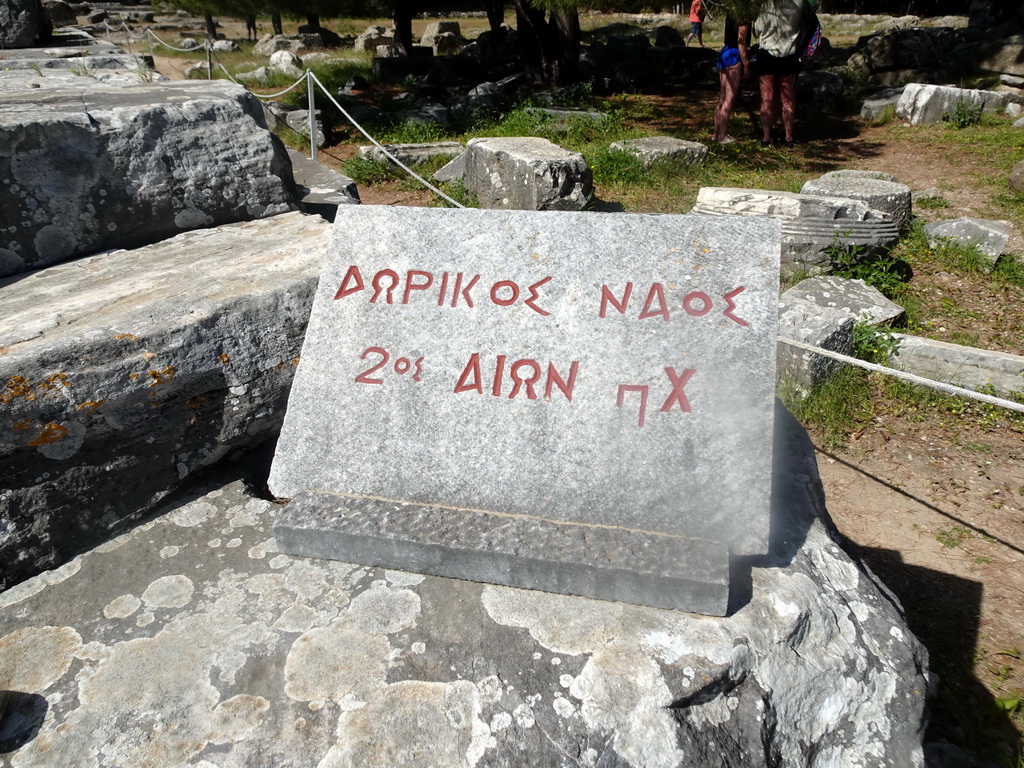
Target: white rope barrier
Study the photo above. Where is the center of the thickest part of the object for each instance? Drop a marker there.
(168, 45)
(949, 389)
(273, 96)
(379, 146)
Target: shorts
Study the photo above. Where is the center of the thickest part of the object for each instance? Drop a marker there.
(729, 57)
(697, 28)
(777, 65)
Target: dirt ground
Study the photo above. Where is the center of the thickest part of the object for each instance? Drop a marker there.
(935, 508)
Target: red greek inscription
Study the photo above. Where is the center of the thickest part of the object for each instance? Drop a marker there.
(531, 301)
(411, 286)
(505, 284)
(364, 377)
(469, 380)
(444, 289)
(459, 290)
(607, 297)
(518, 381)
(657, 293)
(705, 300)
(555, 380)
(677, 395)
(351, 283)
(377, 287)
(642, 389)
(732, 305)
(499, 372)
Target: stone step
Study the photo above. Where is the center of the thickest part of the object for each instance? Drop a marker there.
(121, 374)
(321, 189)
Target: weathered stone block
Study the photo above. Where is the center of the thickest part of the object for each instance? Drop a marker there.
(989, 237)
(854, 297)
(527, 174)
(114, 166)
(561, 391)
(652, 149)
(982, 370)
(804, 321)
(413, 153)
(810, 223)
(882, 195)
(122, 374)
(923, 104)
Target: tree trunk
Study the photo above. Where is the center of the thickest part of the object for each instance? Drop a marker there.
(495, 14)
(211, 26)
(566, 26)
(275, 23)
(533, 41)
(313, 20)
(402, 18)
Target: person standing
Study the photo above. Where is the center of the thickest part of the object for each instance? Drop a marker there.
(778, 27)
(733, 65)
(697, 14)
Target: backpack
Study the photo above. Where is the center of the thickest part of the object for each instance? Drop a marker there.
(810, 36)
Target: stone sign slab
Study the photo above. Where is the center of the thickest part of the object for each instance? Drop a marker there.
(598, 372)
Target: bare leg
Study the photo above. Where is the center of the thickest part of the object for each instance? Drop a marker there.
(787, 93)
(730, 80)
(769, 105)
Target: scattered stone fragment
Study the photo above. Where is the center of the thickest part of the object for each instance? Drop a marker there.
(989, 237)
(888, 196)
(854, 297)
(923, 104)
(657, 148)
(979, 369)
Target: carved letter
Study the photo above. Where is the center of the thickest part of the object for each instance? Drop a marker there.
(555, 380)
(642, 389)
(464, 291)
(345, 289)
(411, 286)
(499, 372)
(705, 302)
(519, 381)
(732, 305)
(531, 302)
(503, 284)
(472, 369)
(657, 292)
(377, 285)
(444, 289)
(678, 382)
(607, 298)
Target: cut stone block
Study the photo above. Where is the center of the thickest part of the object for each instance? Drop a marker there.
(1006, 55)
(122, 374)
(413, 153)
(979, 369)
(564, 118)
(852, 173)
(888, 196)
(321, 189)
(474, 362)
(989, 237)
(854, 297)
(651, 150)
(819, 326)
(923, 104)
(1016, 178)
(527, 174)
(97, 166)
(881, 105)
(810, 223)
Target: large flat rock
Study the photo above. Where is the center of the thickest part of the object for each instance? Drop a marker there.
(193, 641)
(94, 166)
(982, 370)
(121, 374)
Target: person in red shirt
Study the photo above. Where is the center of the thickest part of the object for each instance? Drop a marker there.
(697, 14)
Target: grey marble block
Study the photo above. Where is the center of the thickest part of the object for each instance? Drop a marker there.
(602, 371)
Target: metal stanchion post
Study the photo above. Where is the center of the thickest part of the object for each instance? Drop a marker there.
(209, 60)
(312, 115)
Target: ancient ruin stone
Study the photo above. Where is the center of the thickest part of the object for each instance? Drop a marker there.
(652, 149)
(124, 373)
(112, 166)
(923, 104)
(888, 196)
